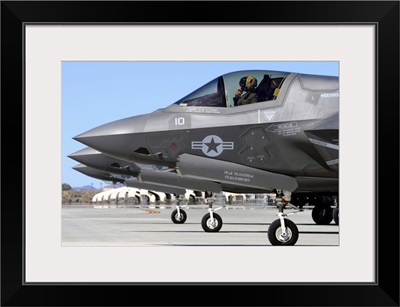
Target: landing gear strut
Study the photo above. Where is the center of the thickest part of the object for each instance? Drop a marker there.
(179, 216)
(283, 231)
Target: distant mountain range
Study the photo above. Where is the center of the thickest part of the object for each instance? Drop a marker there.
(90, 187)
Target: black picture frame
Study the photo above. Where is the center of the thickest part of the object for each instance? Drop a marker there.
(383, 14)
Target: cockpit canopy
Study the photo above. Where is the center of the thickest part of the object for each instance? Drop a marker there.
(221, 91)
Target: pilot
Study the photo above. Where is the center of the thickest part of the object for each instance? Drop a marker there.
(246, 94)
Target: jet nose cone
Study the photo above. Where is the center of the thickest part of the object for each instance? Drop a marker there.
(116, 139)
(79, 167)
(84, 155)
(84, 152)
(122, 126)
(99, 161)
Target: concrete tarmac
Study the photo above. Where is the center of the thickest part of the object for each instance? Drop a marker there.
(152, 226)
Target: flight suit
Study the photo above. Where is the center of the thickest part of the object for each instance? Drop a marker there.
(247, 98)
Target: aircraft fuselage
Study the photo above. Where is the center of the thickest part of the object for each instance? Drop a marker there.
(295, 134)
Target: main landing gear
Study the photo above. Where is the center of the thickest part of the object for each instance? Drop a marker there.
(336, 215)
(326, 206)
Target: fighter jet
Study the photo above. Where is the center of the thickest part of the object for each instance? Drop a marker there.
(244, 132)
(98, 165)
(101, 175)
(97, 160)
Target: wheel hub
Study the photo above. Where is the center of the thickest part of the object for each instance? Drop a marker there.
(283, 238)
(212, 223)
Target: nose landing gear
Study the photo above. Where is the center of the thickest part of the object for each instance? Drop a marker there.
(283, 231)
(211, 222)
(179, 216)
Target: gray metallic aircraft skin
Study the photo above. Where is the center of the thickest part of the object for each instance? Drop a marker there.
(98, 165)
(289, 143)
(97, 160)
(95, 173)
(127, 180)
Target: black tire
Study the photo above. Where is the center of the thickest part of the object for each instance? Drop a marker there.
(322, 214)
(336, 215)
(274, 233)
(178, 218)
(206, 223)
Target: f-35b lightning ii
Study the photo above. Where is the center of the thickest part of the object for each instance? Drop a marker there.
(244, 132)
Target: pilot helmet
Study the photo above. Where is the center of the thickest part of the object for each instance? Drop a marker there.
(248, 83)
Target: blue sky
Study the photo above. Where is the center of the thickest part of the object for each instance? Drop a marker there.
(94, 93)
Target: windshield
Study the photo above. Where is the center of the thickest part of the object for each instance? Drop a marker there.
(223, 91)
(211, 95)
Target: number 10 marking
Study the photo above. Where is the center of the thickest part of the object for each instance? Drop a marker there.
(179, 121)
